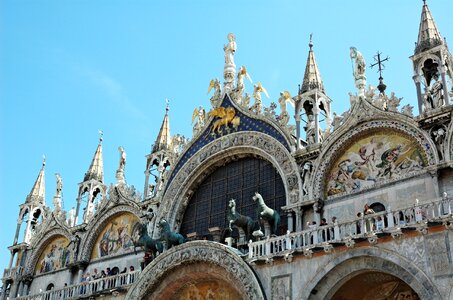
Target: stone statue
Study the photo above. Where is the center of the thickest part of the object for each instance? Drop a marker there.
(121, 166)
(436, 92)
(59, 185)
(267, 213)
(170, 237)
(407, 110)
(178, 143)
(244, 222)
(285, 97)
(215, 99)
(270, 111)
(393, 102)
(439, 135)
(229, 70)
(310, 130)
(240, 86)
(306, 174)
(122, 163)
(57, 198)
(359, 70)
(199, 116)
(71, 218)
(258, 105)
(230, 49)
(337, 121)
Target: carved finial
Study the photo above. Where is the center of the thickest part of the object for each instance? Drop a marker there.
(43, 160)
(101, 133)
(310, 44)
(167, 107)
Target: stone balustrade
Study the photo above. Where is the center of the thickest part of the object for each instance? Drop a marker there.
(88, 288)
(390, 222)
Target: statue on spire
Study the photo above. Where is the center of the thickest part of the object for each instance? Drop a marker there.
(229, 71)
(358, 71)
(121, 166)
(57, 198)
(230, 49)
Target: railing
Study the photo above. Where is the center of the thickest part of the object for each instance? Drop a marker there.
(87, 288)
(390, 221)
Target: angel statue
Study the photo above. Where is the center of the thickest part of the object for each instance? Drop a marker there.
(285, 97)
(240, 87)
(215, 84)
(258, 89)
(199, 116)
(230, 49)
(359, 70)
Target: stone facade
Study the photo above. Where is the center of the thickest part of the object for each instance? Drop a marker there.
(375, 156)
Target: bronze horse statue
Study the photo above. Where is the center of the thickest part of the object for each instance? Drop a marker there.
(244, 222)
(170, 237)
(149, 244)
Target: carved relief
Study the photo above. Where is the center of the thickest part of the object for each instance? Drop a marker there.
(437, 254)
(281, 287)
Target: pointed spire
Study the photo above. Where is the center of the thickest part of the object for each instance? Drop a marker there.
(428, 35)
(312, 77)
(96, 169)
(38, 191)
(163, 138)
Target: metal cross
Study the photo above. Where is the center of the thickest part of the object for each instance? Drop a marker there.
(379, 62)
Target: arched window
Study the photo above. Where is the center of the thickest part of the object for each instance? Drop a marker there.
(239, 180)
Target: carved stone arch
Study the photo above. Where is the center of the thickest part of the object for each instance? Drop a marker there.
(421, 61)
(97, 225)
(336, 144)
(194, 262)
(40, 245)
(326, 281)
(257, 144)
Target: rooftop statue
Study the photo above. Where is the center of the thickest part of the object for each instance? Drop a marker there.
(215, 99)
(284, 116)
(121, 166)
(229, 70)
(240, 86)
(258, 105)
(57, 197)
(199, 117)
(230, 49)
(359, 70)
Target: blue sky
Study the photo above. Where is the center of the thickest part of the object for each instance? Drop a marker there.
(70, 68)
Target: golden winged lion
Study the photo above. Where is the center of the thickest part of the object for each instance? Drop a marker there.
(226, 116)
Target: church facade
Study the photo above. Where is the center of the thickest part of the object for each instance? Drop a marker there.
(350, 206)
